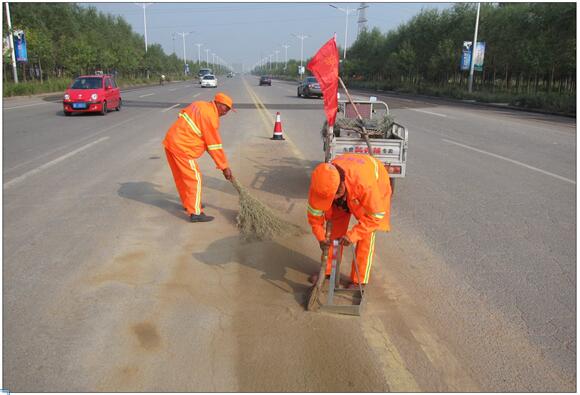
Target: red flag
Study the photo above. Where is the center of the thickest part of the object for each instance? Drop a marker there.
(324, 66)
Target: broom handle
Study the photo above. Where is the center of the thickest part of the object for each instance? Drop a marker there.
(236, 185)
(364, 133)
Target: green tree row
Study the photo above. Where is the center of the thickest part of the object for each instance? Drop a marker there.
(530, 47)
(65, 40)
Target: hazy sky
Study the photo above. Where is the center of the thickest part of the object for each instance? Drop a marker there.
(246, 32)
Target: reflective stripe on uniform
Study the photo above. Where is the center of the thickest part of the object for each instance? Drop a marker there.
(197, 207)
(214, 147)
(191, 124)
(316, 213)
(376, 167)
(370, 259)
(378, 215)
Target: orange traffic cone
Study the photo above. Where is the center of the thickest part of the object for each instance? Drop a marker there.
(278, 128)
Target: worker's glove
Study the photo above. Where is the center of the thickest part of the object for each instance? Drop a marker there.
(345, 241)
(324, 244)
(228, 174)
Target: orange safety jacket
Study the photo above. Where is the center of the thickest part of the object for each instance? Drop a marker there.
(368, 197)
(196, 131)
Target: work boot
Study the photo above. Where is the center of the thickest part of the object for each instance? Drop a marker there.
(200, 218)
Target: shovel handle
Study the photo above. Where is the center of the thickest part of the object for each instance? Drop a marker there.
(312, 301)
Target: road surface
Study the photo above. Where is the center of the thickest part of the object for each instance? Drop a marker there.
(107, 287)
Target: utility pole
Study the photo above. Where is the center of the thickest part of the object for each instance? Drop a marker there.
(301, 37)
(11, 43)
(144, 5)
(286, 56)
(473, 46)
(173, 41)
(347, 12)
(362, 18)
(207, 57)
(198, 52)
(183, 34)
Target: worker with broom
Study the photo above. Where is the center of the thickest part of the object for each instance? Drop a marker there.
(195, 131)
(351, 184)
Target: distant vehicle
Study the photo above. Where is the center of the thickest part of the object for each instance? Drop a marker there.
(265, 80)
(203, 72)
(309, 87)
(209, 81)
(230, 75)
(92, 93)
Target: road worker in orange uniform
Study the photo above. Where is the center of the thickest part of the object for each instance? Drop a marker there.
(196, 131)
(356, 184)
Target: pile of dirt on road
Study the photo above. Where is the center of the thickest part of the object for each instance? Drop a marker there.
(257, 222)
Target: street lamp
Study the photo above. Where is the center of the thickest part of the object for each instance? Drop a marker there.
(144, 5)
(473, 46)
(207, 57)
(301, 37)
(347, 12)
(286, 55)
(183, 34)
(198, 52)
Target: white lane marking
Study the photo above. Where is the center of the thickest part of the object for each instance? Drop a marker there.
(29, 105)
(428, 112)
(148, 94)
(171, 90)
(76, 142)
(32, 172)
(512, 161)
(197, 94)
(167, 109)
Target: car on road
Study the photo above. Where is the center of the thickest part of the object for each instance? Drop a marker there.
(92, 93)
(265, 80)
(209, 81)
(309, 87)
(202, 72)
(230, 75)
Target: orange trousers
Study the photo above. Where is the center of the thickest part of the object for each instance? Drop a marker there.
(187, 180)
(364, 252)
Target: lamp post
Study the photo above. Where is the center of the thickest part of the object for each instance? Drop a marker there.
(198, 52)
(144, 5)
(286, 56)
(11, 44)
(347, 12)
(473, 46)
(301, 37)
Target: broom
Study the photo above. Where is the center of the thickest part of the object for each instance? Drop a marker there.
(257, 222)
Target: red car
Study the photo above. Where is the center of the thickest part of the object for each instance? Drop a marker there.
(92, 93)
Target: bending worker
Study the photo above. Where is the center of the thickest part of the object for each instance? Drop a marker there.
(196, 131)
(356, 184)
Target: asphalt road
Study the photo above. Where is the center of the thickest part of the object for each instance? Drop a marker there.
(107, 287)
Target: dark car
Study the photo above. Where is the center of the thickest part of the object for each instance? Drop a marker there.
(309, 87)
(265, 80)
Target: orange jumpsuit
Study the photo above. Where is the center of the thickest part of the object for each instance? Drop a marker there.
(195, 131)
(368, 198)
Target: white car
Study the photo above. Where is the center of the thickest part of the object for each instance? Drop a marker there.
(209, 81)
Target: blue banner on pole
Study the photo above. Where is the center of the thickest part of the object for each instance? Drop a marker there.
(20, 46)
(466, 56)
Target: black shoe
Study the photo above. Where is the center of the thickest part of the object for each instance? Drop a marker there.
(200, 218)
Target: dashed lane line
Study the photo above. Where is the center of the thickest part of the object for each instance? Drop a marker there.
(32, 172)
(512, 161)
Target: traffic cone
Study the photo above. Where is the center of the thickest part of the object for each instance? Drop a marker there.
(278, 128)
